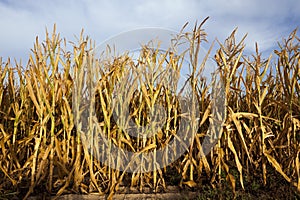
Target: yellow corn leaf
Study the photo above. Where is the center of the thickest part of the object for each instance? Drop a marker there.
(128, 143)
(14, 182)
(246, 128)
(239, 129)
(298, 171)
(150, 146)
(231, 179)
(237, 161)
(203, 157)
(235, 65)
(263, 95)
(32, 95)
(145, 93)
(277, 166)
(205, 115)
(190, 183)
(134, 179)
(265, 68)
(245, 115)
(185, 168)
(156, 93)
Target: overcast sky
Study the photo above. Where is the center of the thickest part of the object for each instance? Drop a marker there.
(265, 21)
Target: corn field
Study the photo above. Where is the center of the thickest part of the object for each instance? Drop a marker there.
(41, 147)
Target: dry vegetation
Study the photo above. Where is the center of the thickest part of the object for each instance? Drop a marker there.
(41, 150)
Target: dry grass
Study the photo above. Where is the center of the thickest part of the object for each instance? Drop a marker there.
(40, 148)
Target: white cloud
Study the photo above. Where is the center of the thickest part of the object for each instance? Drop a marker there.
(265, 21)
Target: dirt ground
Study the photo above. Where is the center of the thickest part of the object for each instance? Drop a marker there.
(174, 193)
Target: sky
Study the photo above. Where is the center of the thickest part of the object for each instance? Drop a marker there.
(265, 21)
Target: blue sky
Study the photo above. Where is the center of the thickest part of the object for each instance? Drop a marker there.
(265, 21)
